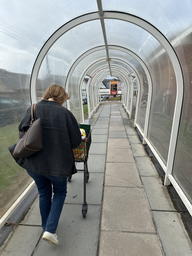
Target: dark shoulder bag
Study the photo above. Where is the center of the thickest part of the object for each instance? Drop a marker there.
(32, 141)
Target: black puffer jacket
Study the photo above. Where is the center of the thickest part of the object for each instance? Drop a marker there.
(60, 134)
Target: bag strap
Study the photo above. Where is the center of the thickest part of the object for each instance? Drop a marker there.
(33, 117)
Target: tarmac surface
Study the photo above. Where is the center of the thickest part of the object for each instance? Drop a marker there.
(130, 212)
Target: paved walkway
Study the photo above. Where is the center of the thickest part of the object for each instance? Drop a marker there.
(130, 213)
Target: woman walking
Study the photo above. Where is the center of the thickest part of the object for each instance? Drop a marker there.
(51, 166)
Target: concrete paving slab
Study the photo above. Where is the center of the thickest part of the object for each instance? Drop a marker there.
(114, 112)
(116, 128)
(117, 134)
(126, 209)
(145, 166)
(129, 244)
(98, 148)
(174, 238)
(134, 139)
(96, 163)
(100, 131)
(103, 121)
(33, 216)
(99, 138)
(126, 121)
(138, 150)
(23, 241)
(120, 155)
(104, 117)
(122, 175)
(116, 122)
(101, 126)
(116, 117)
(130, 130)
(118, 143)
(94, 189)
(77, 236)
(157, 194)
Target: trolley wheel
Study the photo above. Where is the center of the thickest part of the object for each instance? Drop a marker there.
(84, 214)
(69, 178)
(87, 177)
(84, 209)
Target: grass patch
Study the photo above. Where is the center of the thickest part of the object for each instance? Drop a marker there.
(115, 98)
(85, 109)
(112, 99)
(9, 169)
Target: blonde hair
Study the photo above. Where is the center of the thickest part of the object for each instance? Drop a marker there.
(57, 93)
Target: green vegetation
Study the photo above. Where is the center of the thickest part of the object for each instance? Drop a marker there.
(115, 98)
(9, 169)
(112, 99)
(85, 109)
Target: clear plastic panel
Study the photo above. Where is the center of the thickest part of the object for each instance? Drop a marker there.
(123, 65)
(32, 22)
(75, 98)
(144, 89)
(174, 15)
(163, 103)
(127, 58)
(82, 66)
(154, 56)
(130, 36)
(63, 54)
(183, 158)
(16, 60)
(91, 97)
(96, 67)
(88, 60)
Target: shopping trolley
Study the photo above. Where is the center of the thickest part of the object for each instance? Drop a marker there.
(81, 155)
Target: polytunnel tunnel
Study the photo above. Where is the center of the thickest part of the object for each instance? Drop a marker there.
(63, 42)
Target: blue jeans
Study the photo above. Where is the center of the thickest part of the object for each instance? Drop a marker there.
(50, 209)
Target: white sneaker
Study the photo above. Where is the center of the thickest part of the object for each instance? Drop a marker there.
(50, 238)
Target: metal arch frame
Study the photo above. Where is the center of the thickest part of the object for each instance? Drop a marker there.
(129, 94)
(118, 72)
(80, 88)
(95, 79)
(127, 83)
(125, 63)
(164, 42)
(103, 74)
(78, 60)
(137, 75)
(120, 75)
(100, 74)
(135, 56)
(92, 85)
(81, 81)
(128, 107)
(146, 70)
(150, 85)
(121, 68)
(179, 82)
